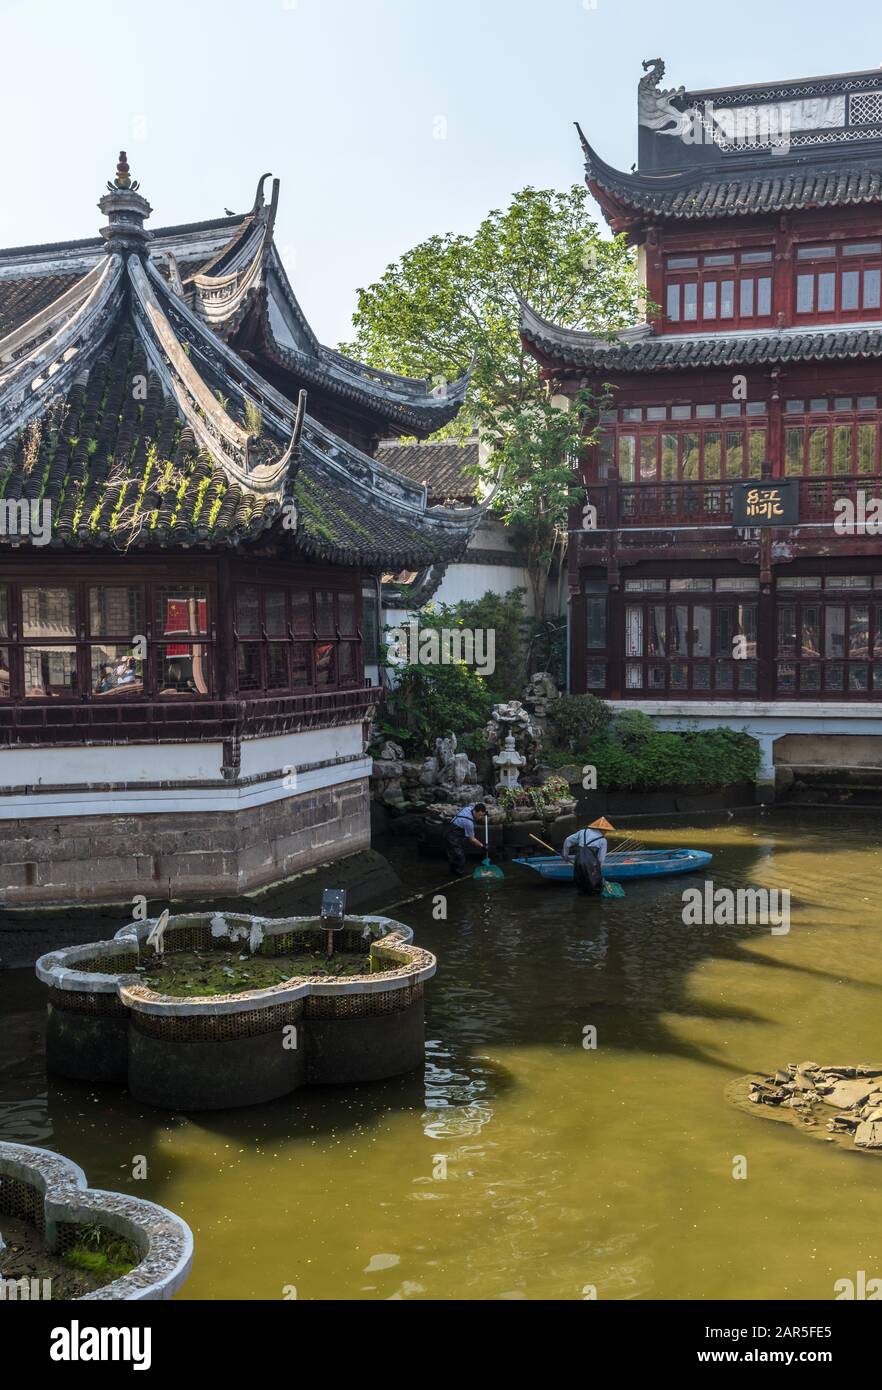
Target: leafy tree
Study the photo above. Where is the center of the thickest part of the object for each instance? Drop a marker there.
(502, 615)
(577, 720)
(455, 300)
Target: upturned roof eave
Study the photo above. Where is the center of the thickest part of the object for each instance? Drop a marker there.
(630, 200)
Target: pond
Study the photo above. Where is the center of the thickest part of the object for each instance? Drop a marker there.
(522, 1165)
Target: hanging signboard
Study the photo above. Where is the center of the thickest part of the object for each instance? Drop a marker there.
(773, 502)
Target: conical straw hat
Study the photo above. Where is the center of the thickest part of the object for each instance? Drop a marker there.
(602, 824)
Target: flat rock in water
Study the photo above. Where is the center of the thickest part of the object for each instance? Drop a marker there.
(868, 1136)
(848, 1093)
(851, 1129)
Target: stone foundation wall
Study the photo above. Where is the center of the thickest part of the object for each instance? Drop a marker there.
(82, 859)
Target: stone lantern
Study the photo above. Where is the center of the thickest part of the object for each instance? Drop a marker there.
(509, 762)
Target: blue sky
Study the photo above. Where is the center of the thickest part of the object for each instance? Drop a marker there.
(386, 120)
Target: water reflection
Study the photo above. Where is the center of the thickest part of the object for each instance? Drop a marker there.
(564, 1170)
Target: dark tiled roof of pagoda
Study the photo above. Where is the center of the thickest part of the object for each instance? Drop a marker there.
(348, 526)
(21, 299)
(644, 353)
(777, 185)
(125, 473)
(415, 406)
(143, 428)
(447, 469)
(32, 277)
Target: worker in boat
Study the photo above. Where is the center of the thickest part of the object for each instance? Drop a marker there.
(587, 850)
(461, 832)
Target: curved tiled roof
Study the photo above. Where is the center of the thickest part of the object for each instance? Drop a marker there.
(644, 353)
(126, 472)
(775, 187)
(447, 468)
(142, 428)
(225, 266)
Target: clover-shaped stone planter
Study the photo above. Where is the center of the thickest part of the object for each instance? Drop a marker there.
(51, 1194)
(227, 1050)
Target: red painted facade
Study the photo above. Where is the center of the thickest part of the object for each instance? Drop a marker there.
(668, 599)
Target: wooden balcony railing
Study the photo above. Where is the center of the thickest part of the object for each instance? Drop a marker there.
(710, 503)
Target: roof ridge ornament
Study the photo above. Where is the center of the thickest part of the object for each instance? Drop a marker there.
(655, 107)
(126, 212)
(122, 179)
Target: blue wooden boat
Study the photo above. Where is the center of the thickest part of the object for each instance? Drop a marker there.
(645, 863)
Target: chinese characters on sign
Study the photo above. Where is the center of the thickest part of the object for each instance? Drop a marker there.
(772, 503)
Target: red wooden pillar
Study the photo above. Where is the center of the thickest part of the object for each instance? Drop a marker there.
(765, 618)
(615, 674)
(655, 278)
(578, 654)
(783, 305)
(775, 447)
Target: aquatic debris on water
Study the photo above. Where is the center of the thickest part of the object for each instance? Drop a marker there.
(854, 1092)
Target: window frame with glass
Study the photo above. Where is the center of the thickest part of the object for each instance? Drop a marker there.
(100, 634)
(723, 289)
(828, 637)
(322, 639)
(679, 636)
(837, 281)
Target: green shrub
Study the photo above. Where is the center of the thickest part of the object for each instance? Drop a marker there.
(503, 615)
(632, 728)
(429, 702)
(658, 761)
(578, 719)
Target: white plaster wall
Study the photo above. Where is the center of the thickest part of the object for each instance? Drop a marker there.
(71, 771)
(262, 755)
(468, 581)
(149, 762)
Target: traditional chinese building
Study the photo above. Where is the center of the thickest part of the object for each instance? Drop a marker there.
(189, 557)
(714, 577)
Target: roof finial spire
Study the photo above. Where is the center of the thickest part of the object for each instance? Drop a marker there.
(122, 180)
(126, 211)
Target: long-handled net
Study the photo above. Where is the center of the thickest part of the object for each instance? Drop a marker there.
(487, 872)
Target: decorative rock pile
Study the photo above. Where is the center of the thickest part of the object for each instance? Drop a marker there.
(512, 719)
(539, 696)
(515, 733)
(448, 776)
(854, 1092)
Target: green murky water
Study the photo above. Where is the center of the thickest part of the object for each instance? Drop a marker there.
(564, 1167)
